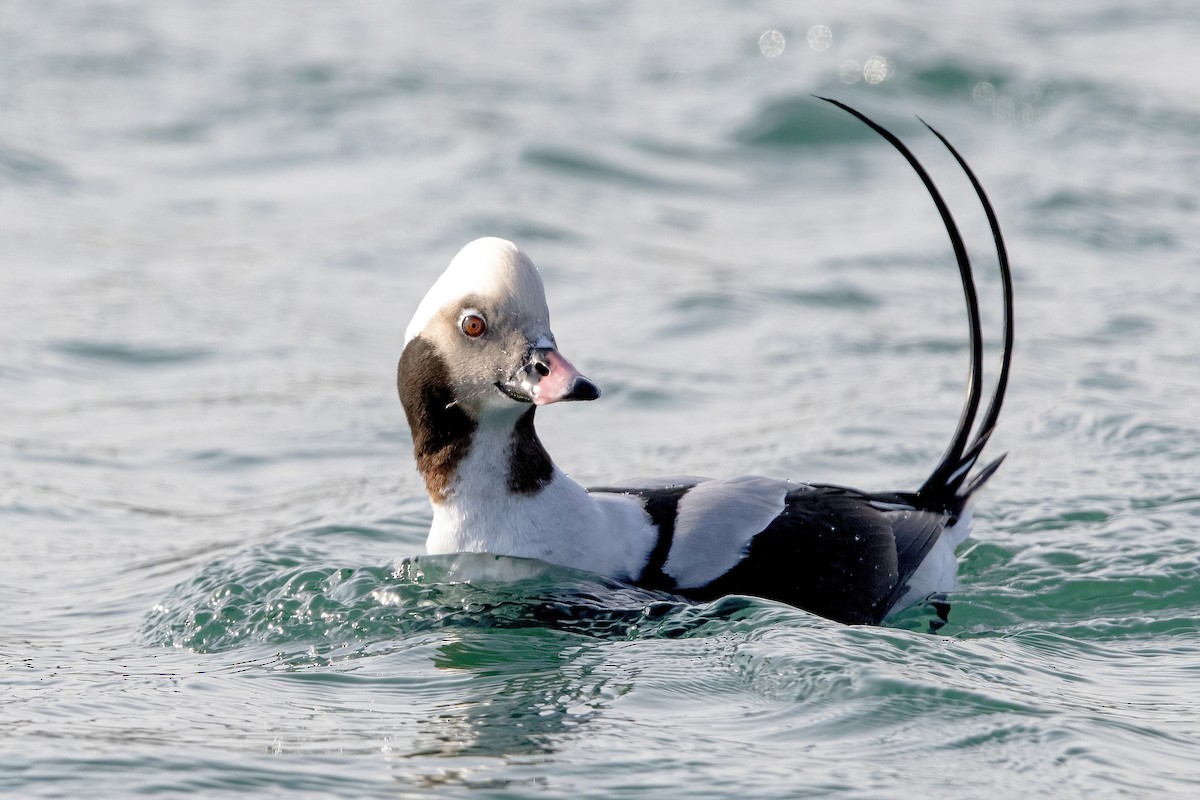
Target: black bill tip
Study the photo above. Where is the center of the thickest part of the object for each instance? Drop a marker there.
(582, 389)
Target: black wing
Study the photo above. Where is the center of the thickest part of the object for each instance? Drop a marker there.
(840, 553)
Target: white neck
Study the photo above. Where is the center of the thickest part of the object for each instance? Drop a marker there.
(559, 522)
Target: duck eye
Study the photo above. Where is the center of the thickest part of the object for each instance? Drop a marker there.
(473, 326)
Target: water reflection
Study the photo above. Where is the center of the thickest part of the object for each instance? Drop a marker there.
(531, 692)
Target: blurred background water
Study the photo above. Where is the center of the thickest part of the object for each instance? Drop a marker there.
(217, 218)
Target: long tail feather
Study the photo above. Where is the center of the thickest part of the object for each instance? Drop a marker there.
(988, 424)
(951, 470)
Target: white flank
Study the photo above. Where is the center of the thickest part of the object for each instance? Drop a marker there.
(939, 571)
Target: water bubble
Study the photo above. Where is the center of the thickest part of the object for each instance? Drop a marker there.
(876, 69)
(771, 43)
(850, 71)
(820, 37)
(983, 93)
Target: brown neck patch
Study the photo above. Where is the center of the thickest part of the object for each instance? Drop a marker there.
(529, 465)
(441, 431)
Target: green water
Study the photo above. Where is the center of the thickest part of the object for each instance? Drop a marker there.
(215, 222)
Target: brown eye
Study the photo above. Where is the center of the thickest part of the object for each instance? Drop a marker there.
(473, 325)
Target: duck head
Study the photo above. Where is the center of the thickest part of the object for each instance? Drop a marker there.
(482, 333)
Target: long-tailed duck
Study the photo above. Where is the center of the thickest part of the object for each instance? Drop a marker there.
(479, 358)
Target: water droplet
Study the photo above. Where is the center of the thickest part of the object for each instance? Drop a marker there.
(771, 43)
(876, 69)
(820, 37)
(983, 93)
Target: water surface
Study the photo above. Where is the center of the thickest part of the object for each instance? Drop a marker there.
(215, 222)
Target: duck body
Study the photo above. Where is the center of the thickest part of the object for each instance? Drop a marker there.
(478, 360)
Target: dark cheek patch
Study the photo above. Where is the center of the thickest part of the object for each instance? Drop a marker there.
(441, 431)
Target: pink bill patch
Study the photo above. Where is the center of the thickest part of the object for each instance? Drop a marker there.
(558, 384)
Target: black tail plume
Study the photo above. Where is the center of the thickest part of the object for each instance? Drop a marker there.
(943, 485)
(988, 424)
